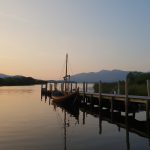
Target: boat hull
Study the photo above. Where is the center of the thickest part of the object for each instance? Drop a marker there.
(67, 98)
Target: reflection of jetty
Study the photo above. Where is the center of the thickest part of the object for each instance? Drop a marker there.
(141, 128)
(127, 122)
(114, 101)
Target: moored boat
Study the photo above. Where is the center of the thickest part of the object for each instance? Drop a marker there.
(66, 96)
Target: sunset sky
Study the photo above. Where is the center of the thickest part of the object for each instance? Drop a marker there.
(35, 36)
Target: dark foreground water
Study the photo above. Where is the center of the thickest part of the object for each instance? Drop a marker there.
(29, 123)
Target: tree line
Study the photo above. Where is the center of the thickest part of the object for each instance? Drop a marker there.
(12, 81)
(137, 84)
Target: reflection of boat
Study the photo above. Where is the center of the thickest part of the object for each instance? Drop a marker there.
(70, 110)
(66, 96)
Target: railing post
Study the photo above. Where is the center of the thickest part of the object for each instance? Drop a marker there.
(148, 87)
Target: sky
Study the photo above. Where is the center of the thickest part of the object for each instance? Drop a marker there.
(35, 36)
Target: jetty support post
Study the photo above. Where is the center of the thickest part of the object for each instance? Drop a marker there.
(62, 86)
(41, 87)
(41, 90)
(126, 97)
(148, 87)
(100, 92)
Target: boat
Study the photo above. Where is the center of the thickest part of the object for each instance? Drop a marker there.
(66, 96)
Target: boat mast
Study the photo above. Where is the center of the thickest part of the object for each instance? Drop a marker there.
(66, 75)
(66, 66)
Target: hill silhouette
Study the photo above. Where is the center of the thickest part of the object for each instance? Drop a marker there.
(103, 75)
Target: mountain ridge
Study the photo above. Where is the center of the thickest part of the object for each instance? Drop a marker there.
(4, 75)
(103, 75)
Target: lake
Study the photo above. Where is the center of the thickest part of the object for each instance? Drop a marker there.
(29, 122)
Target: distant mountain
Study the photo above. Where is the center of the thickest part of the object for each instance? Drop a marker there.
(103, 75)
(4, 75)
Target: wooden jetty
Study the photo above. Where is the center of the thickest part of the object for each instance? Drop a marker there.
(91, 98)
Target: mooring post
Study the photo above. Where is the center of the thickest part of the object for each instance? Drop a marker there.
(41, 87)
(126, 112)
(100, 92)
(84, 92)
(55, 86)
(100, 121)
(46, 87)
(86, 87)
(91, 100)
(71, 87)
(112, 108)
(51, 87)
(118, 87)
(76, 86)
(126, 97)
(83, 120)
(148, 87)
(147, 111)
(61, 87)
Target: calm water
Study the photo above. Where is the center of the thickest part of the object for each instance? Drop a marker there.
(29, 123)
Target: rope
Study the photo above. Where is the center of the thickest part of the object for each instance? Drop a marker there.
(69, 67)
(62, 71)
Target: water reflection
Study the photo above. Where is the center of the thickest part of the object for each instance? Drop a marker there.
(16, 90)
(127, 122)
